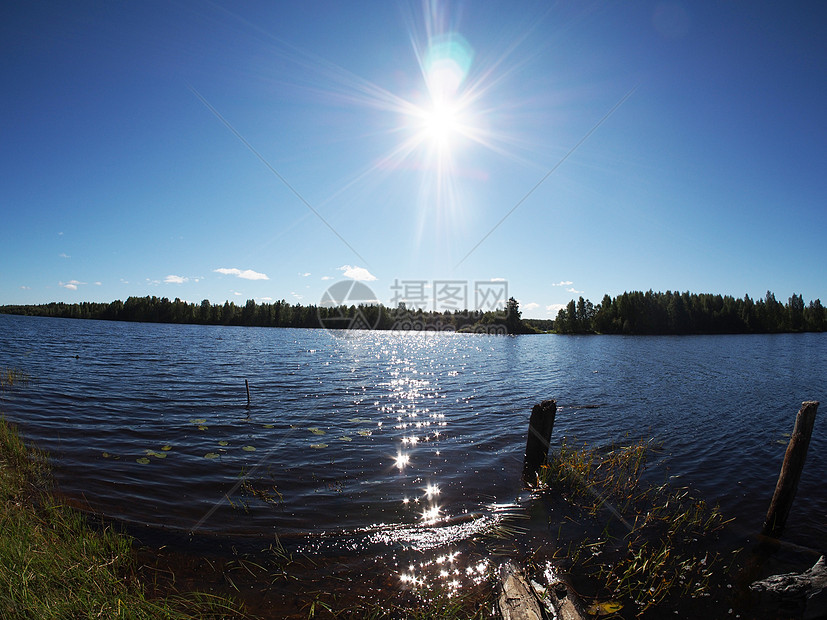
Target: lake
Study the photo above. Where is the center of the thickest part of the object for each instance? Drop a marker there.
(358, 441)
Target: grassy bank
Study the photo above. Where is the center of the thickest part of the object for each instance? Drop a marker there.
(54, 564)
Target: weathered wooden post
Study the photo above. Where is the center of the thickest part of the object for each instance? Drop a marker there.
(785, 488)
(247, 385)
(540, 426)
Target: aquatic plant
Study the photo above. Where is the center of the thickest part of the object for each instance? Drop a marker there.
(9, 377)
(654, 546)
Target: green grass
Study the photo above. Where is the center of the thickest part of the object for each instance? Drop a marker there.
(54, 564)
(654, 547)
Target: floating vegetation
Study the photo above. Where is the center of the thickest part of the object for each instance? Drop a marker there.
(316, 431)
(157, 455)
(211, 455)
(365, 433)
(166, 448)
(360, 420)
(143, 460)
(198, 421)
(223, 443)
(269, 426)
(345, 438)
(269, 495)
(318, 446)
(105, 455)
(202, 427)
(659, 550)
(248, 449)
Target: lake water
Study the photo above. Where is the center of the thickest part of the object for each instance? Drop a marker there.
(382, 438)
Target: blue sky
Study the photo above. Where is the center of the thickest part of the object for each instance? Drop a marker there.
(266, 150)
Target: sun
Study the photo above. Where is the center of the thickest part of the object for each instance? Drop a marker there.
(442, 124)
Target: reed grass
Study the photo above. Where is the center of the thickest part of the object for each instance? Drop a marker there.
(654, 546)
(9, 377)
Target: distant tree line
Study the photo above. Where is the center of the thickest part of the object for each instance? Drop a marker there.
(283, 314)
(689, 313)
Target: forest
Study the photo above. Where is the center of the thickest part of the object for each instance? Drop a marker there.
(633, 312)
(689, 313)
(283, 314)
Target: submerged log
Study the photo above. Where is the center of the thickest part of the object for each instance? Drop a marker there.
(787, 485)
(517, 600)
(540, 426)
(791, 594)
(521, 599)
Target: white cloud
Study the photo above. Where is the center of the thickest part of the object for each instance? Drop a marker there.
(563, 283)
(72, 285)
(172, 279)
(555, 308)
(327, 277)
(304, 274)
(357, 273)
(296, 295)
(574, 290)
(236, 293)
(26, 288)
(498, 280)
(98, 283)
(531, 306)
(64, 255)
(247, 274)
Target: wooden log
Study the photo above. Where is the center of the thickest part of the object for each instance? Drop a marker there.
(521, 599)
(540, 426)
(517, 600)
(793, 595)
(787, 485)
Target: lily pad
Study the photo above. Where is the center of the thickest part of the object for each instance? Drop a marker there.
(105, 455)
(365, 433)
(202, 427)
(269, 426)
(223, 443)
(316, 431)
(345, 438)
(359, 420)
(157, 455)
(166, 448)
(143, 460)
(248, 449)
(318, 446)
(198, 421)
(211, 455)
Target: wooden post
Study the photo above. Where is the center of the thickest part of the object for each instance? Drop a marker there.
(540, 426)
(247, 385)
(785, 488)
